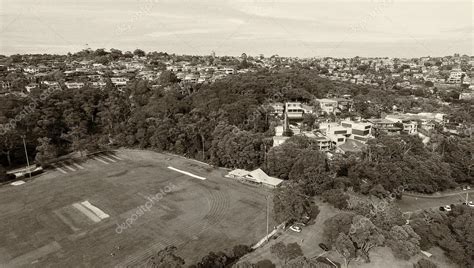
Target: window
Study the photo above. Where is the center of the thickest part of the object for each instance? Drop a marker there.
(340, 139)
(360, 138)
(360, 132)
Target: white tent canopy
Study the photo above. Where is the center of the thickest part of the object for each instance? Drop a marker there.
(258, 176)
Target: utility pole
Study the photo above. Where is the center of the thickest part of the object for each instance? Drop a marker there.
(267, 199)
(26, 154)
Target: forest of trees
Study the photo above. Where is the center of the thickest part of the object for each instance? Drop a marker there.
(227, 123)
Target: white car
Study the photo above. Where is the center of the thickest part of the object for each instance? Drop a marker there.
(469, 204)
(447, 208)
(295, 228)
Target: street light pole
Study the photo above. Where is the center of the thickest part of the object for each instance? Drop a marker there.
(26, 153)
(266, 197)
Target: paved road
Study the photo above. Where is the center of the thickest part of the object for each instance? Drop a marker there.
(413, 202)
(439, 195)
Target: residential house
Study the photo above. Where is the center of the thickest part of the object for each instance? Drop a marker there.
(351, 146)
(294, 110)
(5, 85)
(119, 81)
(455, 77)
(31, 86)
(466, 95)
(328, 106)
(334, 132)
(360, 131)
(324, 143)
(278, 108)
(74, 85)
(384, 125)
(51, 84)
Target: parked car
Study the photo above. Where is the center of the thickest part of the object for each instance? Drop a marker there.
(447, 208)
(469, 204)
(323, 247)
(295, 228)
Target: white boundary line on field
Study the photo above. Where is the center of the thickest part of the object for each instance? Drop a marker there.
(100, 160)
(68, 167)
(59, 169)
(114, 156)
(108, 158)
(77, 165)
(187, 173)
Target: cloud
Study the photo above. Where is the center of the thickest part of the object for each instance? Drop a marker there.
(467, 29)
(180, 32)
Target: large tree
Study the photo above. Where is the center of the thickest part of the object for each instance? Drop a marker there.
(345, 247)
(45, 151)
(286, 252)
(365, 236)
(403, 241)
(337, 224)
(291, 204)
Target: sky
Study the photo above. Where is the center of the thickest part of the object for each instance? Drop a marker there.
(303, 28)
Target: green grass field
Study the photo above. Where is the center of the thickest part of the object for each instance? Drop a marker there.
(41, 227)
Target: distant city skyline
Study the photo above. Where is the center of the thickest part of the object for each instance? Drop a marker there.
(303, 28)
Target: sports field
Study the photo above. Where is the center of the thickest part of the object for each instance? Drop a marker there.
(116, 209)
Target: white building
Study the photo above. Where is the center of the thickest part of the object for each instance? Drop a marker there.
(455, 77)
(74, 85)
(294, 110)
(278, 109)
(328, 106)
(119, 81)
(335, 132)
(359, 131)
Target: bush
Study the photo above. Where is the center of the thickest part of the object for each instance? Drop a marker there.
(424, 263)
(4, 177)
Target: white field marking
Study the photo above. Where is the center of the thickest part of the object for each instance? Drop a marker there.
(100, 160)
(68, 167)
(77, 165)
(17, 183)
(59, 169)
(108, 158)
(102, 215)
(187, 173)
(86, 212)
(114, 156)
